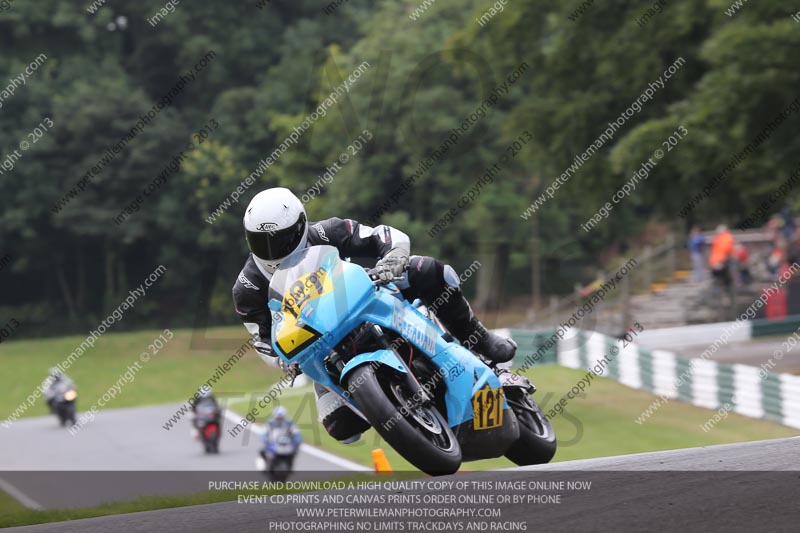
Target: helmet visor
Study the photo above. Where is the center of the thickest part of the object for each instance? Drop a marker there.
(276, 244)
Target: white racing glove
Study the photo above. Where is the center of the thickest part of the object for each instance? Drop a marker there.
(264, 350)
(267, 354)
(392, 265)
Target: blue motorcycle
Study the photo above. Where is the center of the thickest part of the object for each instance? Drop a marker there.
(436, 403)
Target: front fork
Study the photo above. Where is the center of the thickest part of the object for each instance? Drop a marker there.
(414, 386)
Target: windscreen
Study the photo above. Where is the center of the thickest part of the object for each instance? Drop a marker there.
(301, 277)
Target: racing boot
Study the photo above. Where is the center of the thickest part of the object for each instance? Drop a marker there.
(337, 418)
(456, 315)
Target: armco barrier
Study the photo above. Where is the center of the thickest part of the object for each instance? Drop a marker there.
(764, 328)
(751, 391)
(529, 342)
(705, 334)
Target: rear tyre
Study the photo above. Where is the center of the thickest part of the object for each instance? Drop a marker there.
(537, 440)
(70, 416)
(421, 435)
(210, 436)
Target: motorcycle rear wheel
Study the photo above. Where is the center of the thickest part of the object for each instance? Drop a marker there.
(422, 436)
(210, 438)
(537, 440)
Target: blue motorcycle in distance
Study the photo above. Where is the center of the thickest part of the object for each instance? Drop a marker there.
(436, 403)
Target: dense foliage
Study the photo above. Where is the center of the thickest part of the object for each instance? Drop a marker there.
(264, 66)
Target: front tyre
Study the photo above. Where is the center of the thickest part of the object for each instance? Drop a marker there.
(537, 440)
(280, 469)
(421, 435)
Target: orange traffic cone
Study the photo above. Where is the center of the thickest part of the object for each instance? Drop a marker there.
(381, 462)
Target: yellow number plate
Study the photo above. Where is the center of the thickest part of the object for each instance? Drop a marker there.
(291, 338)
(488, 407)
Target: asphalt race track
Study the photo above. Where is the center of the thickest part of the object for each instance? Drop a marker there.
(133, 439)
(738, 487)
(781, 455)
(752, 352)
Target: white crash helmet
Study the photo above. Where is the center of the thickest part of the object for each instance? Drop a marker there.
(279, 414)
(205, 393)
(275, 225)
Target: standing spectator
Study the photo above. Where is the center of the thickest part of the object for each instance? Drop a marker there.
(788, 222)
(742, 258)
(777, 258)
(721, 252)
(697, 242)
(774, 227)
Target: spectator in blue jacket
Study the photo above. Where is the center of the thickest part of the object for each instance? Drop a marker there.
(696, 245)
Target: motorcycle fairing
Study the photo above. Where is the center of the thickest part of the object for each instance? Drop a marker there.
(317, 299)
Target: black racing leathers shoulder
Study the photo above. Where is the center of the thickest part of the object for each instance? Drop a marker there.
(354, 241)
(250, 297)
(358, 243)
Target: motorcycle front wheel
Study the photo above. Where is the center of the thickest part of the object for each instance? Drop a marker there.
(280, 468)
(66, 413)
(420, 434)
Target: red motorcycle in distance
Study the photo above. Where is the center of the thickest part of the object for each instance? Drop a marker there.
(207, 422)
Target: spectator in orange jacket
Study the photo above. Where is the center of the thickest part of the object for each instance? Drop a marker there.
(721, 252)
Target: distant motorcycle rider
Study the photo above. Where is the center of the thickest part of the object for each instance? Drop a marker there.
(206, 403)
(275, 226)
(54, 385)
(278, 426)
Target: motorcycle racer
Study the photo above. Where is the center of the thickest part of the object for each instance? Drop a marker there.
(55, 383)
(275, 226)
(279, 422)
